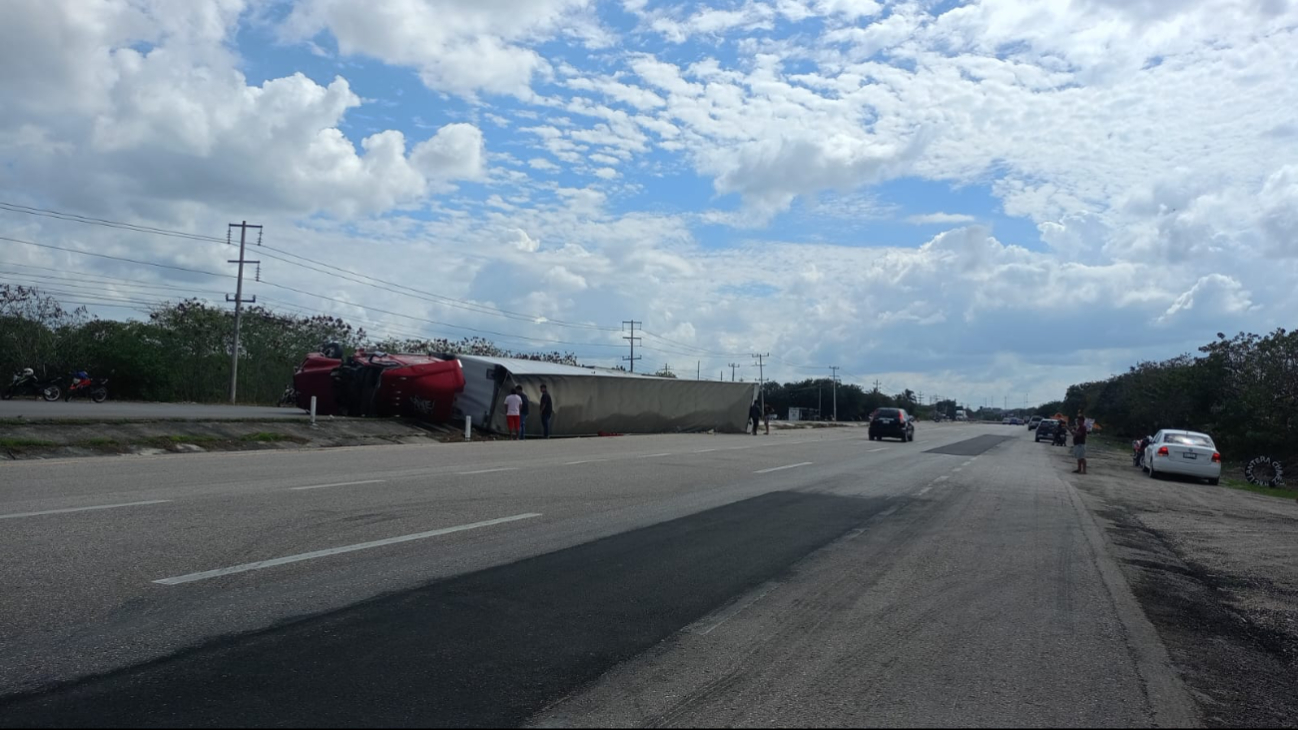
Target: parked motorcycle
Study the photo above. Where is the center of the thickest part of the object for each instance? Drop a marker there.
(1061, 435)
(81, 384)
(288, 397)
(25, 382)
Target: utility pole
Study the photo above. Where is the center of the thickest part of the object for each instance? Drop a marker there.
(834, 369)
(732, 366)
(698, 370)
(239, 300)
(876, 385)
(761, 387)
(632, 339)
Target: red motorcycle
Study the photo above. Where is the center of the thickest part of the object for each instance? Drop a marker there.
(81, 384)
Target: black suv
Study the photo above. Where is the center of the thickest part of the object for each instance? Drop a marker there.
(1045, 430)
(892, 422)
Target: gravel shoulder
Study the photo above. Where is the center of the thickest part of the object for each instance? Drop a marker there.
(1216, 571)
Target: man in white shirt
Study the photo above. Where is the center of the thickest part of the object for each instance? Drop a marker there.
(513, 410)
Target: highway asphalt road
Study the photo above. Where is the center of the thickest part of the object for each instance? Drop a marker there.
(38, 410)
(802, 578)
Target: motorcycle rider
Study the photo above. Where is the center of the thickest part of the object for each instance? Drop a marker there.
(79, 379)
(1139, 446)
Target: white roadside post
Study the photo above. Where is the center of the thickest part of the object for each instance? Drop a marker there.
(313, 411)
(468, 423)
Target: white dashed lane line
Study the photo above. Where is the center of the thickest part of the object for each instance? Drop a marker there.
(487, 471)
(259, 565)
(16, 515)
(339, 484)
(780, 468)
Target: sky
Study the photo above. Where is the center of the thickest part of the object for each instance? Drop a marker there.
(986, 200)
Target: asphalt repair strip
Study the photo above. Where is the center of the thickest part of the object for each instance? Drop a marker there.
(970, 447)
(485, 649)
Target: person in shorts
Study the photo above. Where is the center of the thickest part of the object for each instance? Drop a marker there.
(513, 408)
(1079, 445)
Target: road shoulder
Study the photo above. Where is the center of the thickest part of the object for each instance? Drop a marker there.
(1216, 572)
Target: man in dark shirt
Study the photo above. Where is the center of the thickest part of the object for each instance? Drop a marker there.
(522, 413)
(755, 415)
(1079, 445)
(547, 410)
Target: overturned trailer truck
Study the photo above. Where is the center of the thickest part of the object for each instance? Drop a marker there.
(378, 384)
(589, 401)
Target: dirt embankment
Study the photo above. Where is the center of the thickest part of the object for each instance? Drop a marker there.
(1216, 571)
(46, 439)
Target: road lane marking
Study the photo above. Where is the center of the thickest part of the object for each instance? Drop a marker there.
(339, 484)
(653, 456)
(704, 451)
(875, 451)
(487, 471)
(259, 565)
(924, 491)
(81, 509)
(786, 466)
(941, 479)
(583, 461)
(958, 468)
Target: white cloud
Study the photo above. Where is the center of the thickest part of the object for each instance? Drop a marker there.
(454, 153)
(520, 240)
(1211, 296)
(457, 46)
(178, 122)
(1149, 145)
(939, 218)
(561, 278)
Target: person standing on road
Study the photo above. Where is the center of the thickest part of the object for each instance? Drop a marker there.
(755, 415)
(522, 412)
(547, 410)
(513, 407)
(1079, 445)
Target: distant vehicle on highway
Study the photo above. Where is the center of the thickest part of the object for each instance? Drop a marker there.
(1034, 422)
(960, 415)
(1006, 421)
(893, 423)
(1016, 421)
(1188, 453)
(1045, 429)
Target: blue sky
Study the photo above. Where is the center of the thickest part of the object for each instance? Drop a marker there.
(891, 187)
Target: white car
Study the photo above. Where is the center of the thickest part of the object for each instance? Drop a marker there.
(1189, 453)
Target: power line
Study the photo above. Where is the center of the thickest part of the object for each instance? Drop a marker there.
(97, 280)
(76, 218)
(303, 292)
(114, 258)
(343, 273)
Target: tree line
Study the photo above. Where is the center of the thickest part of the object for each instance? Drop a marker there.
(1242, 390)
(854, 402)
(181, 352)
